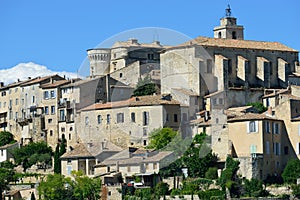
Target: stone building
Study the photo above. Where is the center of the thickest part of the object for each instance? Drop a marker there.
(129, 122)
(126, 61)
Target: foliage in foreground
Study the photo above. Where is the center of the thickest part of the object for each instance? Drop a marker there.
(58, 187)
(161, 137)
(291, 171)
(259, 106)
(6, 138)
(144, 87)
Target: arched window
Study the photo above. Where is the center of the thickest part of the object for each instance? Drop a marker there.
(220, 35)
(233, 35)
(99, 119)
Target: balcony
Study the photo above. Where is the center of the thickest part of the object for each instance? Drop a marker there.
(63, 103)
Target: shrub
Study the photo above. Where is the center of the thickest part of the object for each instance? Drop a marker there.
(211, 194)
(291, 171)
(212, 173)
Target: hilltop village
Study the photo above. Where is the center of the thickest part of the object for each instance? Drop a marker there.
(205, 85)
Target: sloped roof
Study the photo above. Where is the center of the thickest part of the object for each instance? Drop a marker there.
(238, 44)
(41, 79)
(88, 150)
(134, 101)
(55, 84)
(252, 116)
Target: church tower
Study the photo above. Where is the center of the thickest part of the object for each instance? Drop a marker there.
(228, 28)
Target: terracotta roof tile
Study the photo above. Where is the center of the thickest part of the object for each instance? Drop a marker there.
(239, 44)
(55, 84)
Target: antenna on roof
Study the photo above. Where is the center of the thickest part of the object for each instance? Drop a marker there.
(228, 11)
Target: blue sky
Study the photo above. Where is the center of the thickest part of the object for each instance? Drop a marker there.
(57, 33)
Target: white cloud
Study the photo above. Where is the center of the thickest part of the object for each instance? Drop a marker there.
(24, 70)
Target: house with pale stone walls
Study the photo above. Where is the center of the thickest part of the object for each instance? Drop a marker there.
(128, 123)
(84, 156)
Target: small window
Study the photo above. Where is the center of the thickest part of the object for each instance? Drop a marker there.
(33, 99)
(99, 119)
(108, 118)
(209, 66)
(167, 117)
(154, 165)
(17, 101)
(267, 147)
(69, 136)
(121, 75)
(51, 133)
(46, 110)
(175, 118)
(233, 35)
(267, 126)
(252, 126)
(145, 131)
(71, 129)
(145, 118)
(120, 117)
(132, 117)
(286, 150)
(52, 110)
(52, 94)
(49, 121)
(86, 120)
(63, 129)
(220, 34)
(46, 95)
(145, 142)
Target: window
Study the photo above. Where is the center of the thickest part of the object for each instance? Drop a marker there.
(267, 127)
(145, 142)
(229, 66)
(108, 118)
(61, 115)
(167, 117)
(69, 168)
(252, 126)
(145, 118)
(120, 117)
(99, 119)
(286, 150)
(49, 121)
(252, 148)
(233, 35)
(33, 99)
(46, 95)
(69, 136)
(52, 94)
(86, 120)
(276, 148)
(175, 118)
(145, 131)
(16, 115)
(121, 75)
(132, 117)
(128, 168)
(52, 110)
(220, 35)
(46, 110)
(17, 101)
(22, 101)
(1, 152)
(10, 103)
(63, 129)
(150, 56)
(220, 101)
(51, 132)
(209, 66)
(267, 147)
(275, 128)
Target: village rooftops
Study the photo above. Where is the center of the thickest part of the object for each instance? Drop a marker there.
(91, 150)
(42, 79)
(134, 101)
(252, 116)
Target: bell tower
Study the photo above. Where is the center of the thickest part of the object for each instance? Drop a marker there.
(228, 28)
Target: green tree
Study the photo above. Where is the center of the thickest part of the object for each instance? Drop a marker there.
(161, 137)
(56, 187)
(291, 171)
(6, 138)
(62, 147)
(85, 187)
(57, 164)
(6, 175)
(212, 173)
(144, 87)
(161, 189)
(33, 153)
(254, 188)
(259, 106)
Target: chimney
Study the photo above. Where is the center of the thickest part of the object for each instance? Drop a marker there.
(270, 110)
(18, 80)
(133, 41)
(156, 42)
(29, 77)
(1, 84)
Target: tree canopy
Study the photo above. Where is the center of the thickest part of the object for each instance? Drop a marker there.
(144, 87)
(259, 106)
(6, 175)
(161, 137)
(291, 171)
(57, 186)
(33, 153)
(6, 138)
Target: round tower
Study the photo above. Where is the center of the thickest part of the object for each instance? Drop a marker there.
(99, 61)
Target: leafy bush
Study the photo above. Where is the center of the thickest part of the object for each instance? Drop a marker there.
(254, 188)
(296, 190)
(211, 194)
(259, 106)
(212, 173)
(291, 171)
(144, 87)
(6, 138)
